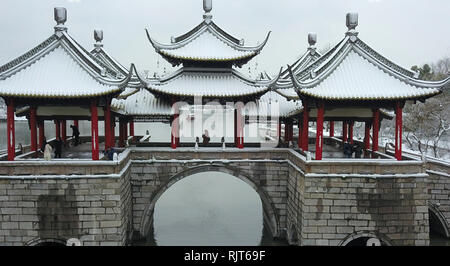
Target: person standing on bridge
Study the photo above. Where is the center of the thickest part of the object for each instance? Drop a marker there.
(75, 134)
(348, 149)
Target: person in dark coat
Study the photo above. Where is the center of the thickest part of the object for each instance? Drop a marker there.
(58, 147)
(358, 151)
(75, 134)
(348, 149)
(44, 142)
(206, 137)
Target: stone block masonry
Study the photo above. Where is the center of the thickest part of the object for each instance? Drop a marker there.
(307, 202)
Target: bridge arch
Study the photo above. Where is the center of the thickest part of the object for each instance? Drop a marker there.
(46, 242)
(365, 235)
(269, 211)
(437, 221)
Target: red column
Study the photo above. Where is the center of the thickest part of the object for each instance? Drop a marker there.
(367, 135)
(279, 130)
(350, 131)
(121, 133)
(305, 128)
(33, 130)
(240, 128)
(376, 128)
(299, 134)
(113, 131)
(344, 131)
(107, 115)
(132, 131)
(57, 129)
(291, 131)
(94, 130)
(286, 131)
(174, 132)
(319, 131)
(331, 129)
(10, 131)
(398, 131)
(41, 133)
(235, 128)
(125, 131)
(63, 130)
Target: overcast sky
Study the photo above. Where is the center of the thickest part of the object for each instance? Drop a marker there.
(408, 32)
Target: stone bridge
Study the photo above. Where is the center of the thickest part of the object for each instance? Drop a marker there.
(328, 202)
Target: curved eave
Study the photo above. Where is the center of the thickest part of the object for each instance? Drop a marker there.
(412, 97)
(110, 60)
(333, 60)
(56, 96)
(159, 47)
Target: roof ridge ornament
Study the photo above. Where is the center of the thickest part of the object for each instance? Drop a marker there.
(312, 39)
(60, 15)
(98, 36)
(207, 7)
(352, 22)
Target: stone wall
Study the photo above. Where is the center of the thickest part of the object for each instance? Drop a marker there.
(393, 209)
(439, 190)
(314, 203)
(150, 178)
(94, 208)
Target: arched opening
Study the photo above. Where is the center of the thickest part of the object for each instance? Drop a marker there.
(366, 239)
(209, 205)
(439, 231)
(48, 242)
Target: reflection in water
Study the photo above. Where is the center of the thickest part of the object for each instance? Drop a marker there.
(209, 209)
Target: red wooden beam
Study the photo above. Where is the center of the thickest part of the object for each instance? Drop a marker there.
(41, 125)
(107, 111)
(63, 130)
(57, 129)
(299, 142)
(331, 128)
(113, 131)
(367, 127)
(94, 130)
(350, 131)
(10, 131)
(344, 131)
(33, 130)
(398, 131)
(240, 127)
(132, 129)
(305, 131)
(376, 129)
(319, 131)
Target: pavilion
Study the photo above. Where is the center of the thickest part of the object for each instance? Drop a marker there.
(207, 55)
(59, 80)
(351, 82)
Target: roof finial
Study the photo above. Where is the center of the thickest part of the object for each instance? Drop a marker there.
(207, 6)
(60, 14)
(312, 39)
(98, 36)
(352, 22)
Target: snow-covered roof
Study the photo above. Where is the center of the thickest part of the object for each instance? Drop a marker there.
(140, 103)
(284, 85)
(354, 71)
(193, 82)
(57, 68)
(207, 42)
(103, 56)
